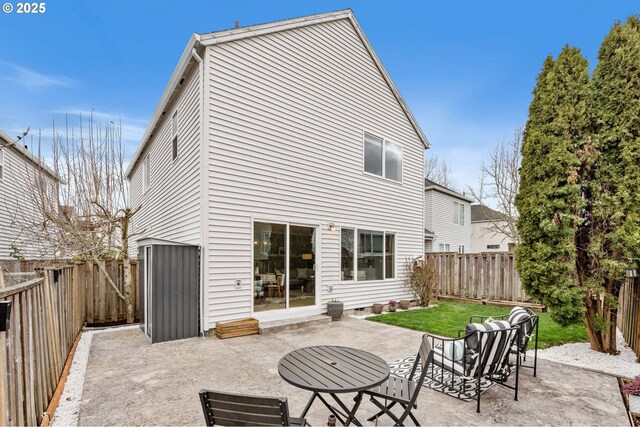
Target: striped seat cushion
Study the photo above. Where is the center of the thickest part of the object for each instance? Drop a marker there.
(492, 340)
(442, 359)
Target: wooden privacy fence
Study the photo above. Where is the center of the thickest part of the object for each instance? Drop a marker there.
(629, 314)
(103, 303)
(487, 275)
(46, 317)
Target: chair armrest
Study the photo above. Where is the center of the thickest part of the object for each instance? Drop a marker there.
(480, 319)
(461, 333)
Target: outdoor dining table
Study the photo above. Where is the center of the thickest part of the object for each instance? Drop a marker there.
(332, 370)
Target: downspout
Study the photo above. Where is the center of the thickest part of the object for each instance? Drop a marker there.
(203, 190)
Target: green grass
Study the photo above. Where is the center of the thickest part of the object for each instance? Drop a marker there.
(449, 317)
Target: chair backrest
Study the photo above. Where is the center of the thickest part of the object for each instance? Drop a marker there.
(527, 321)
(229, 409)
(487, 347)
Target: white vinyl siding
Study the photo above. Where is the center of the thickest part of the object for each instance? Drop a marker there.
(174, 136)
(483, 238)
(286, 113)
(442, 217)
(171, 204)
(1, 164)
(146, 165)
(17, 206)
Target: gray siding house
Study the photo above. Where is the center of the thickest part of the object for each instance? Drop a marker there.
(446, 219)
(286, 154)
(18, 169)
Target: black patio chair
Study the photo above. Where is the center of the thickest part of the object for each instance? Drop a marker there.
(229, 409)
(528, 322)
(402, 391)
(482, 353)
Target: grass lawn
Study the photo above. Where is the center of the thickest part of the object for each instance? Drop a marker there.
(448, 317)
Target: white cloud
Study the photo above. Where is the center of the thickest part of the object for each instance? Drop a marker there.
(34, 80)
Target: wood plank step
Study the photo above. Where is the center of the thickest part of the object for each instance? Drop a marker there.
(237, 328)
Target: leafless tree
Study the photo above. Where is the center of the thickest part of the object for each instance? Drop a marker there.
(85, 215)
(498, 185)
(438, 171)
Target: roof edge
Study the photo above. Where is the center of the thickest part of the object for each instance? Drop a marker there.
(449, 192)
(169, 89)
(15, 145)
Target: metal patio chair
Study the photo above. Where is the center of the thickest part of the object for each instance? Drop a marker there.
(482, 353)
(229, 409)
(402, 391)
(528, 322)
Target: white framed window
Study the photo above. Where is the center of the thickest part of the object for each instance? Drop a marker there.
(461, 249)
(458, 213)
(367, 255)
(382, 157)
(1, 165)
(444, 247)
(146, 173)
(174, 136)
(493, 247)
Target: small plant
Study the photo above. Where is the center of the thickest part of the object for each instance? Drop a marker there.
(420, 278)
(633, 387)
(393, 303)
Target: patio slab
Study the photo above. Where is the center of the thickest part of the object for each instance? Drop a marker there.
(131, 382)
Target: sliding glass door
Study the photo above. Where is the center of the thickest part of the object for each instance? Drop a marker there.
(284, 258)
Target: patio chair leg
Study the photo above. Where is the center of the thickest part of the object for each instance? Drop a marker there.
(385, 410)
(381, 412)
(478, 394)
(407, 412)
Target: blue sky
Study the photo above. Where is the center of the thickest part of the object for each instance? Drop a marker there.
(465, 68)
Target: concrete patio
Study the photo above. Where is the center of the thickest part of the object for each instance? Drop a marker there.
(131, 382)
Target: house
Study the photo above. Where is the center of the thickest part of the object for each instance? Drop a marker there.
(19, 170)
(446, 219)
(485, 237)
(284, 153)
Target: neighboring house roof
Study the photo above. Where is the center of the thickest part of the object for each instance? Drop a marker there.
(431, 185)
(209, 39)
(8, 143)
(482, 213)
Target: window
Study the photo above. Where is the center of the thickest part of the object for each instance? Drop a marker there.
(375, 255)
(1, 165)
(174, 133)
(458, 213)
(444, 247)
(493, 246)
(461, 249)
(146, 166)
(346, 253)
(389, 256)
(382, 157)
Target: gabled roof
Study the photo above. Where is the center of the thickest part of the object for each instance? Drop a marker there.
(218, 37)
(431, 185)
(8, 143)
(483, 213)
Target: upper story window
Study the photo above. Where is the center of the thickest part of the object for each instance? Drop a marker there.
(1, 165)
(382, 157)
(174, 136)
(146, 178)
(458, 213)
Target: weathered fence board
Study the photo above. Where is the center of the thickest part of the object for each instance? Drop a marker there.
(47, 315)
(487, 275)
(629, 314)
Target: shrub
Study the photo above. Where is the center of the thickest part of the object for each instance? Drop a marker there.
(420, 278)
(632, 387)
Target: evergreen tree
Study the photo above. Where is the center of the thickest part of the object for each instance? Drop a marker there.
(615, 226)
(550, 199)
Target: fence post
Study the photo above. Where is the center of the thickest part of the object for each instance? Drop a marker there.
(3, 371)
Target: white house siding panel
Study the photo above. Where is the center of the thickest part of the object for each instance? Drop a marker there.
(445, 230)
(18, 208)
(482, 236)
(287, 113)
(171, 206)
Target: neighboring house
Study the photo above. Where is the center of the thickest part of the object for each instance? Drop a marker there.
(484, 236)
(446, 219)
(304, 189)
(19, 170)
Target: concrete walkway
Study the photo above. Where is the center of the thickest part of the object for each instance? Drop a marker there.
(131, 382)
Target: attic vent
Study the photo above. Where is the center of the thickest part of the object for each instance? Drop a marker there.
(181, 80)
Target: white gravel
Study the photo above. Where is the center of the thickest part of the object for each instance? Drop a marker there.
(581, 355)
(68, 409)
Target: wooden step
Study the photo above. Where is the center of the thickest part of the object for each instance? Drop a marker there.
(237, 328)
